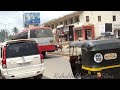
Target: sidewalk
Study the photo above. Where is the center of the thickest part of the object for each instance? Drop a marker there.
(64, 51)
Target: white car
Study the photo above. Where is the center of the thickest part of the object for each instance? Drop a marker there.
(20, 59)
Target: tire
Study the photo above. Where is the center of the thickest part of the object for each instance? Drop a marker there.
(44, 54)
(38, 76)
(76, 70)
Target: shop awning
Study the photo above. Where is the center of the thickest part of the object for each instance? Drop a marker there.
(78, 26)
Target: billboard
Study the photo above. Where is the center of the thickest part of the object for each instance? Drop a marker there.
(31, 18)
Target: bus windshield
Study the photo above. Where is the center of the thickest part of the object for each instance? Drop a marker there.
(40, 33)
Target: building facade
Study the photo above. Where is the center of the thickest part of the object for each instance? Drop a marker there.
(84, 25)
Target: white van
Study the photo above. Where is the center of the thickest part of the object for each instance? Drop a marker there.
(20, 59)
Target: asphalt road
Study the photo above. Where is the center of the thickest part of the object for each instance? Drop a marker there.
(57, 67)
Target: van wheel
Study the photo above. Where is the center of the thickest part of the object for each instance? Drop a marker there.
(38, 76)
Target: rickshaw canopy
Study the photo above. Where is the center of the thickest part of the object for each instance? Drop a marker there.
(95, 45)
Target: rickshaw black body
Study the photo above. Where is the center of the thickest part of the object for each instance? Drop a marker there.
(90, 69)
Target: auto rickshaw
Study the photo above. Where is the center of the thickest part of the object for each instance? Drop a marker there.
(98, 59)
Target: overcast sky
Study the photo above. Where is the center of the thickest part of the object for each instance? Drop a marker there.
(10, 19)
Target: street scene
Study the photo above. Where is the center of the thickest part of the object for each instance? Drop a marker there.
(59, 44)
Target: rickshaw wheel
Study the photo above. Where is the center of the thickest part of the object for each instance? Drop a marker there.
(76, 70)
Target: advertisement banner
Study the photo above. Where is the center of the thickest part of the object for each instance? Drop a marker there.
(31, 18)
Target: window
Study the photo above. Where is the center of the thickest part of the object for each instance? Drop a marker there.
(61, 23)
(66, 22)
(41, 33)
(56, 25)
(77, 19)
(36, 25)
(52, 26)
(108, 27)
(87, 18)
(20, 49)
(89, 33)
(71, 20)
(114, 18)
(99, 18)
(118, 32)
(79, 34)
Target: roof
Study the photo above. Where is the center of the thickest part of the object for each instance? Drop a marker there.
(65, 16)
(13, 41)
(93, 45)
(34, 28)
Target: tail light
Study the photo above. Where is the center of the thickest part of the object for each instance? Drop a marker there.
(4, 58)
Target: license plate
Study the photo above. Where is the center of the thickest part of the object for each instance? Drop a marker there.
(110, 56)
(24, 64)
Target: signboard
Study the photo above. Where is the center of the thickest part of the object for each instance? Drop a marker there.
(31, 18)
(66, 29)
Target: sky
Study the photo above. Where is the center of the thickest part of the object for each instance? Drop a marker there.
(10, 19)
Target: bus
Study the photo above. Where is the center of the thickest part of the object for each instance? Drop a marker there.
(42, 35)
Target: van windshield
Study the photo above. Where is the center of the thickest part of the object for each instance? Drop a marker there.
(20, 49)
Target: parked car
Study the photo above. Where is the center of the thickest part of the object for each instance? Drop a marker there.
(105, 36)
(20, 59)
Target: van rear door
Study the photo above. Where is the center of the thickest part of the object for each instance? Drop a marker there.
(22, 57)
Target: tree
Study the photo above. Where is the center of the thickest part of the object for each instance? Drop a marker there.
(3, 35)
(15, 30)
(9, 37)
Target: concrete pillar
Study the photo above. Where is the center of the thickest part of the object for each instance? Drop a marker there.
(75, 35)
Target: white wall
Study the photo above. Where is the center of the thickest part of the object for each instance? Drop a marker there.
(106, 17)
(116, 24)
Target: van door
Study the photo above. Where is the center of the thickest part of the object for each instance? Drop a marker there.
(22, 57)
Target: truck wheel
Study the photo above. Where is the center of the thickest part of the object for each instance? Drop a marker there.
(38, 76)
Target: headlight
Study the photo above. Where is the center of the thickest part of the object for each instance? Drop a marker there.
(98, 57)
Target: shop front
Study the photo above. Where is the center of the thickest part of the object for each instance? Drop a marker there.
(116, 29)
(84, 32)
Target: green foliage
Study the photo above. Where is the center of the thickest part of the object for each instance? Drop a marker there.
(15, 30)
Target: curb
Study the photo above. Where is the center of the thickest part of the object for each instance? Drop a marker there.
(56, 53)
